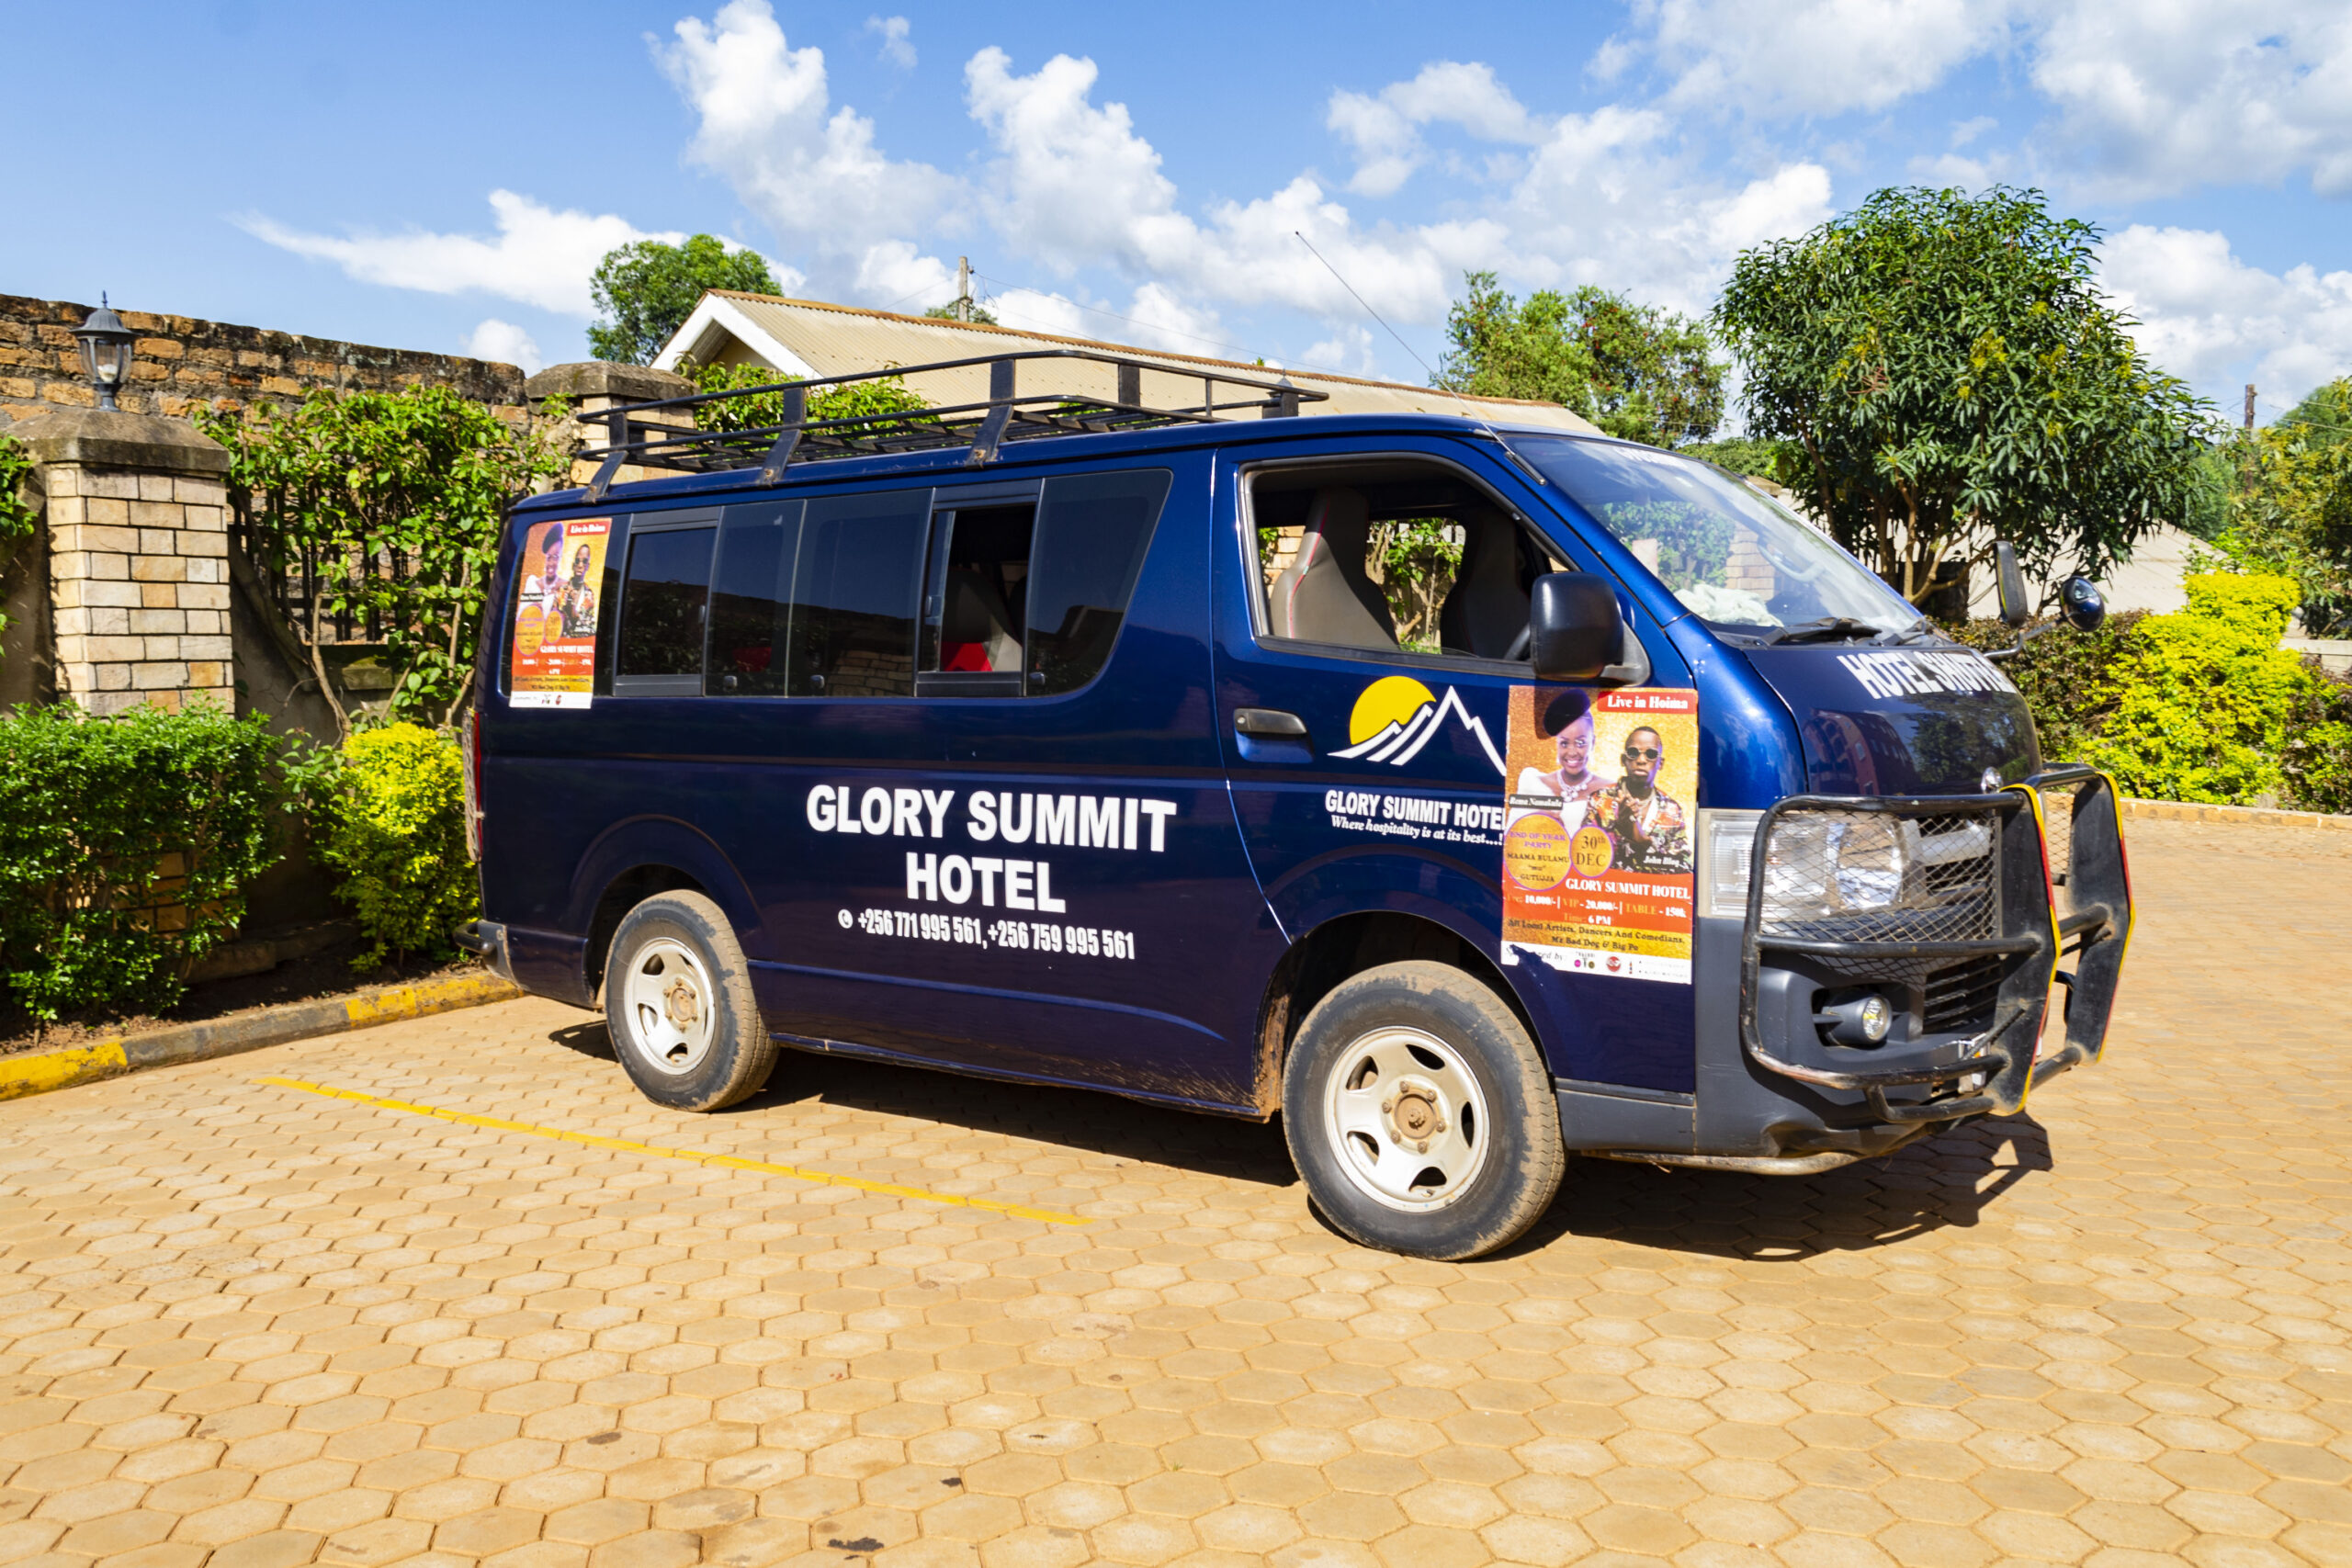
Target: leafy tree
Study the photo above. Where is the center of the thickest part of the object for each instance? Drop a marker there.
(645, 292)
(391, 504)
(952, 311)
(2292, 510)
(1946, 374)
(885, 395)
(18, 518)
(1743, 455)
(1636, 371)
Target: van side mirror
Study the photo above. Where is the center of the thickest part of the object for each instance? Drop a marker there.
(1574, 625)
(2014, 611)
(2082, 604)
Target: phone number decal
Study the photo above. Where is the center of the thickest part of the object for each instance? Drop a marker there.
(969, 931)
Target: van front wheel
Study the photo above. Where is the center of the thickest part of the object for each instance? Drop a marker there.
(678, 1005)
(1419, 1114)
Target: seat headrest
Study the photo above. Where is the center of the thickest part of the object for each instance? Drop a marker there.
(975, 612)
(1341, 515)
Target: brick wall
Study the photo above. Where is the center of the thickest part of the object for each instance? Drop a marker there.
(182, 362)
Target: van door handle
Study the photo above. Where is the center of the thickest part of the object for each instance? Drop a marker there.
(1269, 723)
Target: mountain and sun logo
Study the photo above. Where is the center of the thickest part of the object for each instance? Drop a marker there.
(1396, 716)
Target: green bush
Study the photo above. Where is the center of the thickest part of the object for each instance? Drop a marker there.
(2318, 758)
(2067, 678)
(125, 846)
(2203, 698)
(388, 817)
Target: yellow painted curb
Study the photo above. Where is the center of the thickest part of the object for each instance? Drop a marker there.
(699, 1157)
(47, 1070)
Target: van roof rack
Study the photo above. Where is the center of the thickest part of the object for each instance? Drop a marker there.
(670, 433)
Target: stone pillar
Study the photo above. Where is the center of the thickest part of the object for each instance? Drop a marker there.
(594, 386)
(137, 512)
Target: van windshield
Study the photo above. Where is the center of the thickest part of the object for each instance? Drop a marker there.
(1735, 557)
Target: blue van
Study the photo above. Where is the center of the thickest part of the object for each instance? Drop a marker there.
(1471, 797)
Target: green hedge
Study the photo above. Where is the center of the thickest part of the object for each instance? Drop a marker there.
(2200, 706)
(125, 846)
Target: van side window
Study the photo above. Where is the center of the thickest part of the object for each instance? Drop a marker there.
(855, 580)
(751, 599)
(1393, 555)
(1093, 532)
(663, 597)
(973, 623)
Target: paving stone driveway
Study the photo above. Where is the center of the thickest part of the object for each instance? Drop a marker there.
(247, 1326)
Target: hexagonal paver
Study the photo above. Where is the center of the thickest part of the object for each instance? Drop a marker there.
(247, 1326)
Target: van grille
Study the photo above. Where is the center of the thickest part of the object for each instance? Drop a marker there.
(1959, 997)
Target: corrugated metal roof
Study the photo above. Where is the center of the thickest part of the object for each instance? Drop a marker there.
(838, 340)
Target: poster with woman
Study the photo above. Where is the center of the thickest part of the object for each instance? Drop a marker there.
(554, 658)
(1599, 817)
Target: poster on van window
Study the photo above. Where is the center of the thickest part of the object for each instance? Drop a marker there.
(561, 574)
(1600, 792)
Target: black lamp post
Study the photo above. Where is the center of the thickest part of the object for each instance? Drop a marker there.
(105, 351)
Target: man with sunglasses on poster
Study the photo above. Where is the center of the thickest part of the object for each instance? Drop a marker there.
(1646, 825)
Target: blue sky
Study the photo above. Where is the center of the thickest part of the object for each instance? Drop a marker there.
(444, 176)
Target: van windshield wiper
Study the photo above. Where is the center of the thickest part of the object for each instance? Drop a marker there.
(1830, 629)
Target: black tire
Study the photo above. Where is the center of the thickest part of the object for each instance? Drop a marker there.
(1424, 1049)
(679, 1007)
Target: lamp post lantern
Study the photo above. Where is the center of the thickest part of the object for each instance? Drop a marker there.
(105, 351)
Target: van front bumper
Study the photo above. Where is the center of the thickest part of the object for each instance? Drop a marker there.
(2051, 884)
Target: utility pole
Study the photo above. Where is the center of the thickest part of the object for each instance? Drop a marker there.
(964, 313)
(2249, 407)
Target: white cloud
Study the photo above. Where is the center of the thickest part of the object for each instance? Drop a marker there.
(1813, 57)
(2159, 97)
(814, 173)
(2153, 96)
(1347, 350)
(1073, 185)
(896, 47)
(2217, 322)
(1384, 128)
(1601, 203)
(1030, 311)
(539, 256)
(503, 341)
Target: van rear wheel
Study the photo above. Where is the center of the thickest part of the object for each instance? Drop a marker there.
(1419, 1114)
(679, 1007)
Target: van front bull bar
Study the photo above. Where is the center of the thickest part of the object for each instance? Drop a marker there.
(2039, 913)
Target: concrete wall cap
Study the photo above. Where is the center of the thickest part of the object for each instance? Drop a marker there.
(99, 439)
(597, 378)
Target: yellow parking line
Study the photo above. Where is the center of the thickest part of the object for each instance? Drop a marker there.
(700, 1156)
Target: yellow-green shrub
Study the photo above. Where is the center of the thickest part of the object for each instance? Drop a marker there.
(2203, 698)
(388, 814)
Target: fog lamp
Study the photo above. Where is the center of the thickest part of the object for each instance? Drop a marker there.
(1862, 1022)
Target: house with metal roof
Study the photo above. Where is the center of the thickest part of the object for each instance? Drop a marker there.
(800, 338)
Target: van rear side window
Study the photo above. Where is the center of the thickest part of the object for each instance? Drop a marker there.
(854, 585)
(751, 599)
(663, 599)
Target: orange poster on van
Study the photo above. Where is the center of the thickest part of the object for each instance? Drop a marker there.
(561, 572)
(1599, 817)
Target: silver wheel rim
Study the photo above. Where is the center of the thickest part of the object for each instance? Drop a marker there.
(667, 1000)
(1405, 1118)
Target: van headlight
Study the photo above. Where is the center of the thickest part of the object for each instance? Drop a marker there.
(1820, 863)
